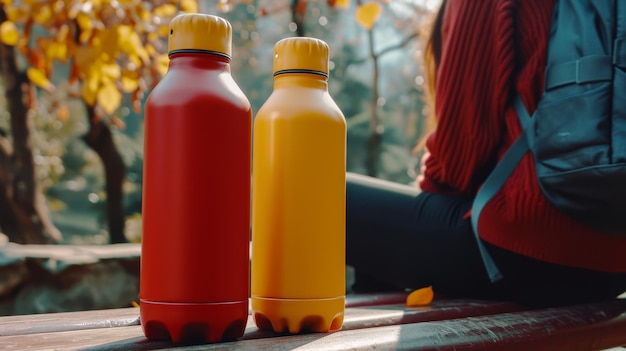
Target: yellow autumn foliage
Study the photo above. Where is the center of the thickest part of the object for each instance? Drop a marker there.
(8, 33)
(112, 47)
(130, 80)
(109, 97)
(189, 6)
(165, 10)
(57, 51)
(39, 78)
(91, 84)
(84, 22)
(367, 14)
(43, 15)
(111, 70)
(344, 4)
(162, 63)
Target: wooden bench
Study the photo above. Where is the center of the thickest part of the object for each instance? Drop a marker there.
(372, 322)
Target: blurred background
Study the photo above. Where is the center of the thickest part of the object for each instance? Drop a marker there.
(74, 75)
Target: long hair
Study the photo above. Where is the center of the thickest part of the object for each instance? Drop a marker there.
(431, 60)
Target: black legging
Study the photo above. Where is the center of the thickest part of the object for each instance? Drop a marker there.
(399, 238)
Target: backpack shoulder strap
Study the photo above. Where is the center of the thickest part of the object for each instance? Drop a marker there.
(496, 180)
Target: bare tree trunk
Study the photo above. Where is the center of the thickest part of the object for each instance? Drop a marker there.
(100, 139)
(24, 213)
(298, 10)
(376, 133)
(8, 222)
(375, 139)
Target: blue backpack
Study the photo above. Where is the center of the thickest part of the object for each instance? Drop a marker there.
(577, 134)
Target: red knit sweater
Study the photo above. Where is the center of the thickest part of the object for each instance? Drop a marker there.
(490, 49)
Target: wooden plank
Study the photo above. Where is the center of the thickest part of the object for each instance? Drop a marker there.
(385, 315)
(66, 321)
(355, 318)
(581, 328)
(131, 338)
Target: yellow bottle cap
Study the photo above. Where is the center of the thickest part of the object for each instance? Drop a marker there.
(301, 54)
(196, 31)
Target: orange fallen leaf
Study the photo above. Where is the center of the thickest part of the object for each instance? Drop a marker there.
(420, 297)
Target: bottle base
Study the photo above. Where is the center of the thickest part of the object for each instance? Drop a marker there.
(193, 322)
(298, 315)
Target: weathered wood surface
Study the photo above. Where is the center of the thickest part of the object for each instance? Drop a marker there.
(67, 321)
(90, 329)
(585, 328)
(444, 325)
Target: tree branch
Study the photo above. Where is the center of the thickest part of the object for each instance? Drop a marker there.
(397, 46)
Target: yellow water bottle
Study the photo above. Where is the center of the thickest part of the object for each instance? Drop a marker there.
(298, 201)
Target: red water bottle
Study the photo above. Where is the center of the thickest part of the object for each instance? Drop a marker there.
(196, 191)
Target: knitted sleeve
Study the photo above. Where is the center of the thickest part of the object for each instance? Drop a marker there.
(473, 87)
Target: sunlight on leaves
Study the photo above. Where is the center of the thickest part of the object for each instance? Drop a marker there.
(109, 98)
(420, 297)
(130, 81)
(150, 50)
(38, 77)
(166, 10)
(44, 15)
(86, 27)
(190, 6)
(162, 63)
(130, 44)
(8, 33)
(112, 71)
(57, 51)
(111, 47)
(90, 87)
(367, 14)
